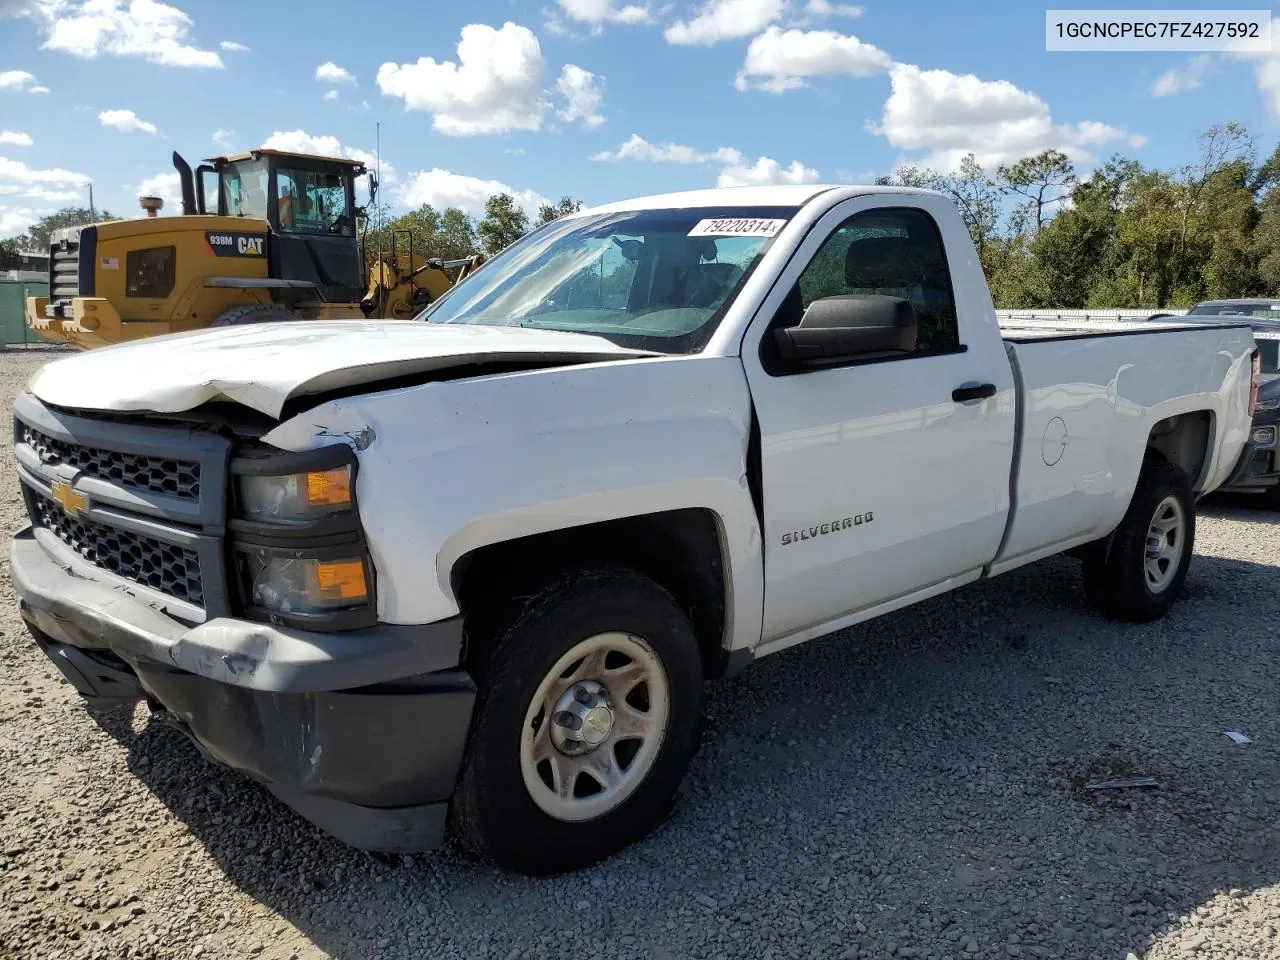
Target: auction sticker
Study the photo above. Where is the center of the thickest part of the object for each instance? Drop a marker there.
(737, 227)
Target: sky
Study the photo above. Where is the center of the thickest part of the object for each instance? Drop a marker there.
(597, 99)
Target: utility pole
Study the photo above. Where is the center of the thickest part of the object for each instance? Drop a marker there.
(93, 215)
(383, 292)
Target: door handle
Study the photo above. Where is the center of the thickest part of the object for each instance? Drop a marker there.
(973, 391)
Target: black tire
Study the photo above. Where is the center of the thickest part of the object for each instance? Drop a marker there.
(1271, 499)
(253, 313)
(493, 813)
(1115, 580)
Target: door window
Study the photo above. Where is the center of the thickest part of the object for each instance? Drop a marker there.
(312, 202)
(896, 253)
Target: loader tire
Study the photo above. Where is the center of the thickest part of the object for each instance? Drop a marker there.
(253, 313)
(1141, 575)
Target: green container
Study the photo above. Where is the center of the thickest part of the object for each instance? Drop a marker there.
(13, 325)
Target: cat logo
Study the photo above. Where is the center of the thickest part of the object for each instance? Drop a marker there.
(72, 502)
(237, 244)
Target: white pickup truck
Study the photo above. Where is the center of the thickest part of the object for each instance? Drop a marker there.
(472, 570)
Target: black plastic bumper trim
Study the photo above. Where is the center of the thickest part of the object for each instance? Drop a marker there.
(90, 614)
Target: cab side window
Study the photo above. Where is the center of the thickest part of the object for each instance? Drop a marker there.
(311, 202)
(896, 253)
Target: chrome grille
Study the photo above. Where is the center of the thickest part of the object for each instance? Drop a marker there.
(64, 270)
(177, 478)
(171, 569)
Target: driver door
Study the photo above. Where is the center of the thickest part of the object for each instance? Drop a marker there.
(880, 483)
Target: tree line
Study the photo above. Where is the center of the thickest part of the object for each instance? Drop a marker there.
(452, 235)
(1125, 235)
(449, 234)
(37, 236)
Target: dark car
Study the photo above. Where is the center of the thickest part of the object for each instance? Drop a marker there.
(1258, 470)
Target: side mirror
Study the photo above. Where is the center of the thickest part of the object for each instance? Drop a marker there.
(847, 327)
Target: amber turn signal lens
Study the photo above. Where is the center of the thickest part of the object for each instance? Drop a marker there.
(329, 488)
(340, 579)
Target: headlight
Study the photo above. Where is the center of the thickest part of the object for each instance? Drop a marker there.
(297, 548)
(295, 496)
(1273, 404)
(287, 583)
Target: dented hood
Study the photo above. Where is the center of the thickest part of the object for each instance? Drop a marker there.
(264, 365)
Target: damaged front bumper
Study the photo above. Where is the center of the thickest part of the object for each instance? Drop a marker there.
(361, 732)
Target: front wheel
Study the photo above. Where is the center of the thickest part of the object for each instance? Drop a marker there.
(1141, 575)
(588, 713)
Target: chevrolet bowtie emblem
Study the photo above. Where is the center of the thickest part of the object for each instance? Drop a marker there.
(72, 502)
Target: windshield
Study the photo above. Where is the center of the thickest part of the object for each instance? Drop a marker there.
(244, 189)
(650, 279)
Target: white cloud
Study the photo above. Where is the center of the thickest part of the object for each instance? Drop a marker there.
(720, 20)
(597, 13)
(735, 169)
(443, 189)
(222, 138)
(495, 86)
(15, 138)
(765, 170)
(514, 151)
(16, 80)
(583, 93)
(1191, 77)
(38, 90)
(636, 147)
(232, 46)
(148, 29)
(126, 121)
(824, 8)
(16, 220)
(299, 141)
(330, 72)
(331, 95)
(1137, 140)
(18, 8)
(167, 187)
(949, 115)
(779, 60)
(54, 185)
(1266, 73)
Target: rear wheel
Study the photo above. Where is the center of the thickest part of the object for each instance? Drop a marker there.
(253, 313)
(1142, 573)
(588, 713)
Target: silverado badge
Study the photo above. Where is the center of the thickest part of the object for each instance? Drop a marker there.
(72, 502)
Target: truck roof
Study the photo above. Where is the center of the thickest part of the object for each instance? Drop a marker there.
(781, 195)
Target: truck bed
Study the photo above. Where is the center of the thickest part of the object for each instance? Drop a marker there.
(1091, 395)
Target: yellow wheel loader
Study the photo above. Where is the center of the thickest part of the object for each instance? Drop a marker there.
(265, 236)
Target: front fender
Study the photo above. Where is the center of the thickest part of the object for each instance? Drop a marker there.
(447, 467)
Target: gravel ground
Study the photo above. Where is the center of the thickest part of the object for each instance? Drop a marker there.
(913, 787)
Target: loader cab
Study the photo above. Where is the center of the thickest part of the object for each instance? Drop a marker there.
(309, 203)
